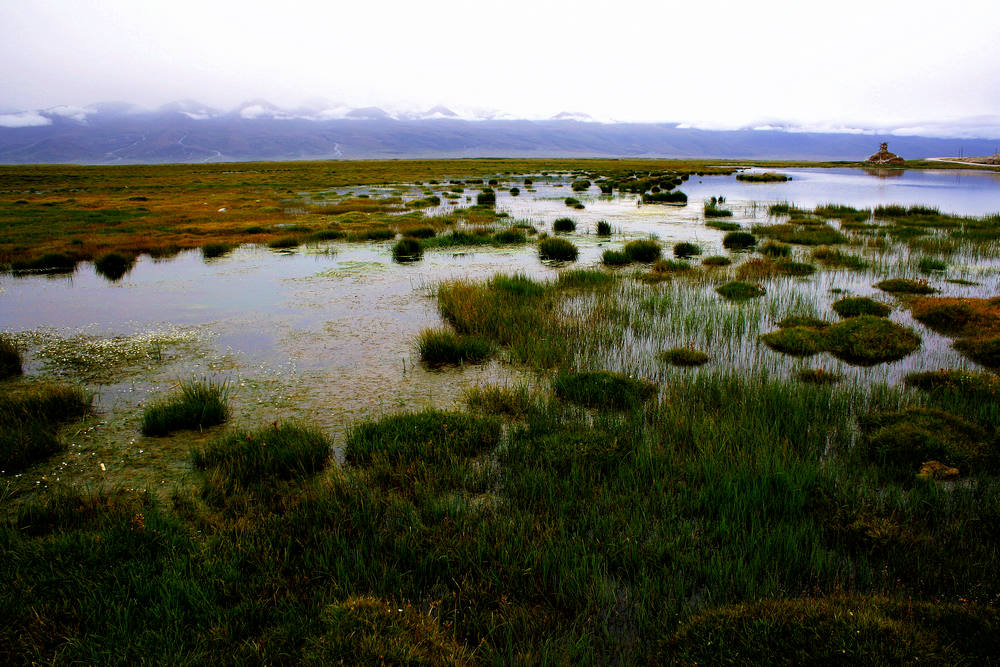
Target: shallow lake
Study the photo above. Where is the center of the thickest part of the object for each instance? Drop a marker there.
(326, 332)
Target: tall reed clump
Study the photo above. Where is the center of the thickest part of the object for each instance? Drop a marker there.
(10, 358)
(30, 418)
(196, 405)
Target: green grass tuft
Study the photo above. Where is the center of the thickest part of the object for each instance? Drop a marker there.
(642, 250)
(407, 250)
(29, 420)
(738, 290)
(603, 389)
(867, 340)
(559, 250)
(285, 242)
(686, 250)
(683, 356)
(716, 260)
(738, 240)
(431, 436)
(10, 358)
(563, 225)
(278, 451)
(196, 405)
(444, 346)
(615, 258)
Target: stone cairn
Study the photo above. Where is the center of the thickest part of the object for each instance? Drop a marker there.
(884, 156)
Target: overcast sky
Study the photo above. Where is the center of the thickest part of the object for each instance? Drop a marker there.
(711, 63)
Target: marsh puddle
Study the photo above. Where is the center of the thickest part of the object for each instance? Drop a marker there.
(326, 333)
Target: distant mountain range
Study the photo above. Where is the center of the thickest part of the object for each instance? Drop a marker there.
(258, 130)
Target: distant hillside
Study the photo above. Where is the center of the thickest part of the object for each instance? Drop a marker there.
(186, 132)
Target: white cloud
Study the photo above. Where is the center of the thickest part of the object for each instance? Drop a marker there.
(24, 119)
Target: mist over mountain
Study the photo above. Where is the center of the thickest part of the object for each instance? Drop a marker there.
(187, 131)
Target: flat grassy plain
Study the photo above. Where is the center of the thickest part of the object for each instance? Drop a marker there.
(625, 508)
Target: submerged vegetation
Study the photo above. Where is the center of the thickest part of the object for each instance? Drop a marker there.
(642, 476)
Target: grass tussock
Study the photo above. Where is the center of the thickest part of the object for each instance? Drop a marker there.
(365, 630)
(828, 631)
(196, 404)
(818, 376)
(683, 356)
(716, 261)
(644, 251)
(837, 258)
(509, 401)
(737, 290)
(603, 389)
(686, 250)
(736, 240)
(442, 346)
(900, 442)
(564, 225)
(866, 340)
(863, 340)
(30, 416)
(407, 250)
(615, 258)
(588, 279)
(216, 249)
(802, 234)
(431, 436)
(279, 451)
(10, 358)
(557, 250)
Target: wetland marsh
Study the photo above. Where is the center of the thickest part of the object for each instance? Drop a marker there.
(462, 450)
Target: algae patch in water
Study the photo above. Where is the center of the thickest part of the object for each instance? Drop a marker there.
(104, 359)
